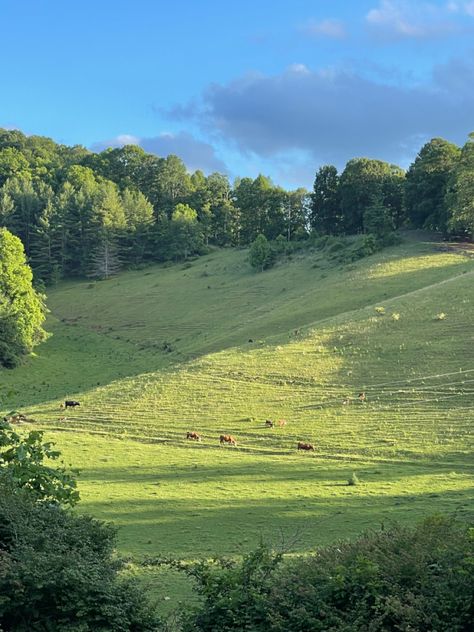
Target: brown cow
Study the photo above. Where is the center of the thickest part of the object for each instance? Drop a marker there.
(193, 435)
(269, 423)
(361, 397)
(281, 422)
(227, 439)
(305, 446)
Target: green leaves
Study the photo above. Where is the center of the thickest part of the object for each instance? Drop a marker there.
(23, 466)
(22, 309)
(260, 254)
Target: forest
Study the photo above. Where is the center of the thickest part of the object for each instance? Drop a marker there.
(85, 214)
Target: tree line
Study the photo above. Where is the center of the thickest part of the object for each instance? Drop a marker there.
(373, 196)
(84, 214)
(80, 213)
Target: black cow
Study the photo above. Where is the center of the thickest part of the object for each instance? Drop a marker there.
(70, 403)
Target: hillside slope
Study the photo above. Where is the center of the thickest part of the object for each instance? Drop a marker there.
(153, 354)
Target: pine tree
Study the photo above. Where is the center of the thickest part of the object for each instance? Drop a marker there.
(104, 262)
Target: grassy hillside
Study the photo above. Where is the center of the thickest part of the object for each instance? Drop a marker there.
(153, 354)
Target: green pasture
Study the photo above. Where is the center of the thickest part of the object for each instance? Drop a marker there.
(215, 348)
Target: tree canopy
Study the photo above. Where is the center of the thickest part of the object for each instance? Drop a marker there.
(70, 206)
(22, 310)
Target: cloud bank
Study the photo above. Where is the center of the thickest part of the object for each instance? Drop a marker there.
(334, 115)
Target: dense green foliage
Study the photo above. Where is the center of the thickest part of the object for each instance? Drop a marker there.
(435, 193)
(260, 253)
(22, 311)
(58, 570)
(395, 579)
(23, 468)
(460, 197)
(84, 214)
(426, 184)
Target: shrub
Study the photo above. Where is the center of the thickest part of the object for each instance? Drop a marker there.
(58, 572)
(440, 316)
(395, 316)
(380, 310)
(261, 255)
(400, 578)
(353, 479)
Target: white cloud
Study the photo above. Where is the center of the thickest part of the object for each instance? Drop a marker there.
(390, 16)
(403, 19)
(299, 68)
(326, 28)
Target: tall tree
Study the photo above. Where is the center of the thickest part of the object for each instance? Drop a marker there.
(170, 185)
(22, 310)
(325, 208)
(296, 213)
(366, 182)
(460, 195)
(46, 245)
(426, 183)
(184, 232)
(256, 200)
(13, 164)
(135, 239)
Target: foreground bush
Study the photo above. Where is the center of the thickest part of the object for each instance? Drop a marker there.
(58, 571)
(402, 579)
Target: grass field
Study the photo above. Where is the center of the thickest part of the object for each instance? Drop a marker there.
(155, 353)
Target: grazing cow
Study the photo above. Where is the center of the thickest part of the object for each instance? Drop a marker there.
(193, 435)
(227, 439)
(281, 422)
(305, 446)
(269, 423)
(361, 397)
(70, 403)
(347, 401)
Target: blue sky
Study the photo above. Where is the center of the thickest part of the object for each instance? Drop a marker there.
(277, 87)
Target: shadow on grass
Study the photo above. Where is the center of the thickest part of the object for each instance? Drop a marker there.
(312, 469)
(226, 526)
(79, 358)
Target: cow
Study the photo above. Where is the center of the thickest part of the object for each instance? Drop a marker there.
(269, 423)
(361, 397)
(281, 422)
(305, 446)
(347, 401)
(70, 403)
(193, 435)
(227, 439)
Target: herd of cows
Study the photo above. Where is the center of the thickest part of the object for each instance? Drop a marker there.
(225, 438)
(229, 439)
